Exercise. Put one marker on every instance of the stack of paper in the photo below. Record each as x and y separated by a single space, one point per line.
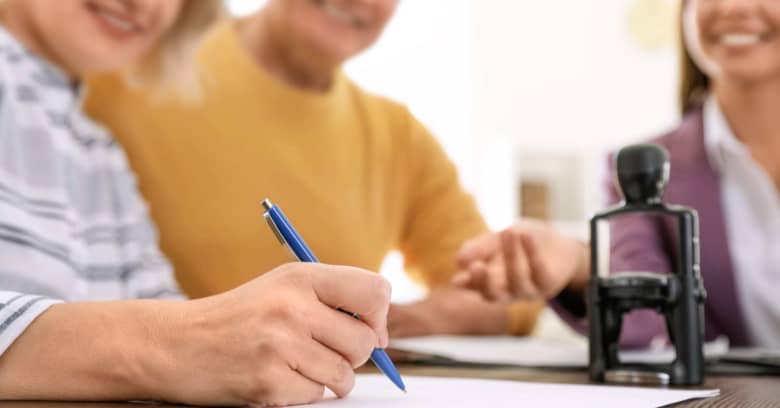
503 350
528 351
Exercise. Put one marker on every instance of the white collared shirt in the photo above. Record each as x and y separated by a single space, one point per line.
751 207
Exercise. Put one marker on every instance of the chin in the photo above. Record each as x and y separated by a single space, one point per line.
338 50
750 73
103 62
333 46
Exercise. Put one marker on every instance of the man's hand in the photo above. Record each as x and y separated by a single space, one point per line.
277 340
529 260
448 311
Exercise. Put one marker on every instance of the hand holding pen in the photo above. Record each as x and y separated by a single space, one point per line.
288 237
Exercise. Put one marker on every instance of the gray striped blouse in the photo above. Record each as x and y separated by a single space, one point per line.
72 224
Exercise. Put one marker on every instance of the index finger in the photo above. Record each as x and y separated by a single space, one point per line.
355 290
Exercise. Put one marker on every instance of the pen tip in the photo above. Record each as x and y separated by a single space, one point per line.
267 204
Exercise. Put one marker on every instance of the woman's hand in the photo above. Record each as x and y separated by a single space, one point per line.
529 260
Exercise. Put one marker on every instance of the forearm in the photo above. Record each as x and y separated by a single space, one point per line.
89 351
488 318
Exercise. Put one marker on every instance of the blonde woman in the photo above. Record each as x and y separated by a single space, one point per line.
79 252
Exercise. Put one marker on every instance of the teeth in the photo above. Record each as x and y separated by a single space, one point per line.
117 22
340 14
740 39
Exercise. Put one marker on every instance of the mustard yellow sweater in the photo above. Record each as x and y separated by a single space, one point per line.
356 173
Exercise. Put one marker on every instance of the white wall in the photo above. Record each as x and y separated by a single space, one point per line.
566 74
565 77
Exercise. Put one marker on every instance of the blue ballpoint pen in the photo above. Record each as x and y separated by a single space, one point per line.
290 239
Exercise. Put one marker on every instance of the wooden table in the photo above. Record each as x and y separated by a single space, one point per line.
744 391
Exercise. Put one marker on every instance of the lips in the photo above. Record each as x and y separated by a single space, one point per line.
116 21
341 15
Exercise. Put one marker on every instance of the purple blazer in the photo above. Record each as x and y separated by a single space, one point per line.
646 243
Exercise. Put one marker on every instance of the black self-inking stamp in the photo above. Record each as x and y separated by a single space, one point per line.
642 175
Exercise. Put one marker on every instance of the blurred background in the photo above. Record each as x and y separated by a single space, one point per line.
527 96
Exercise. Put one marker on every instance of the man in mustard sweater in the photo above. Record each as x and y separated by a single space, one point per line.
357 173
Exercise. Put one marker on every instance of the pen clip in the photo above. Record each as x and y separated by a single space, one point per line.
274 228
272 224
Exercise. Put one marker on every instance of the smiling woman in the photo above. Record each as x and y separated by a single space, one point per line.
152 47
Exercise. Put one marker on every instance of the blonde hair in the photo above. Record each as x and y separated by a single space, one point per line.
169 68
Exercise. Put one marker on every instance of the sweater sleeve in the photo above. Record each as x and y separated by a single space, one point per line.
439 215
523 316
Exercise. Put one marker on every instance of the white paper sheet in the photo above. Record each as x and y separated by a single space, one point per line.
526 351
373 390
529 351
